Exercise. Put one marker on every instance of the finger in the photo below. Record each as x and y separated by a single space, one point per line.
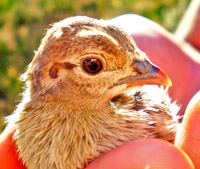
143 154
9 157
189 27
188 137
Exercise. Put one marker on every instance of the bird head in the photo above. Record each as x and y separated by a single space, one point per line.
86 62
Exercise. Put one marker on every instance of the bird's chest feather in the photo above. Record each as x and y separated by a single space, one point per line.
48 139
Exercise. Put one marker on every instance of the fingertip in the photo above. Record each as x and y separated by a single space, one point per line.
188 136
144 153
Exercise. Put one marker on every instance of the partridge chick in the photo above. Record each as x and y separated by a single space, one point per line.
83 96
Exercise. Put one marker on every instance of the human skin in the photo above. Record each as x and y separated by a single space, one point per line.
184 70
189 27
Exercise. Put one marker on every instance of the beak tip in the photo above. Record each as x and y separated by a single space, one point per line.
169 82
164 78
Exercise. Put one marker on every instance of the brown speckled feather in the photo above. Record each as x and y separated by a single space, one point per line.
69 117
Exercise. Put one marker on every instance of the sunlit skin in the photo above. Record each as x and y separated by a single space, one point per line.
144 154
188 137
184 72
9 156
189 27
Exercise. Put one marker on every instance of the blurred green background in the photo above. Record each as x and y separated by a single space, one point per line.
23 24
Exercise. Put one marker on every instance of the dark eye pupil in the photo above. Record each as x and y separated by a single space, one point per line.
92 66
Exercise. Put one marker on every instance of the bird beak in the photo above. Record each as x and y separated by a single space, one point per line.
147 73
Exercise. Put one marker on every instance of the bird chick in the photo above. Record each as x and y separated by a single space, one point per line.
77 104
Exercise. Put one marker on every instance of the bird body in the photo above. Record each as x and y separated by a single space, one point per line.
77 105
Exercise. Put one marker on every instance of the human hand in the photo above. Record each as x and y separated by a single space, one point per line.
189 27
164 51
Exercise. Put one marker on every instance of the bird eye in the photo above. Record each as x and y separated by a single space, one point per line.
92 66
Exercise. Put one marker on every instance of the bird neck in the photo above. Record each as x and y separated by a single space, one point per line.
49 135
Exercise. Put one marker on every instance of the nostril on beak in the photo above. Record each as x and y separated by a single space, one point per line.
141 66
